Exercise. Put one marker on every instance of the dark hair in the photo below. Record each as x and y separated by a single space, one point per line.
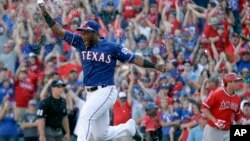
208 73
142 38
195 66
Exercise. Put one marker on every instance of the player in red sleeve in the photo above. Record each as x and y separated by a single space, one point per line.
220 109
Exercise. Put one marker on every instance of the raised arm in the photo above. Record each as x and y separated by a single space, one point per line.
131 85
44 91
178 11
237 49
215 52
186 18
55 27
196 13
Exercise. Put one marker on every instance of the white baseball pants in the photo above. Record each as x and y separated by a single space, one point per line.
214 134
94 118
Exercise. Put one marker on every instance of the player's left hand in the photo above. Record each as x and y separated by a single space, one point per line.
41 5
40 2
161 68
220 123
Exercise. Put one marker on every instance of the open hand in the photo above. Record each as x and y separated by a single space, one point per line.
39 2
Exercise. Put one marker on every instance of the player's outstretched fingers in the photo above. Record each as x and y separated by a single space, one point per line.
40 3
161 68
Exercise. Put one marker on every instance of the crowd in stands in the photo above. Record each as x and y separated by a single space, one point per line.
198 40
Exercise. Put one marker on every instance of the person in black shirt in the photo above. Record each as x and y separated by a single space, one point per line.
52 115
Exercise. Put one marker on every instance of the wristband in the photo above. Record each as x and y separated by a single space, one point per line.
49 20
148 64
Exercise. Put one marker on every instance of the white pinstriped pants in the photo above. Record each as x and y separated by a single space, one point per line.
94 118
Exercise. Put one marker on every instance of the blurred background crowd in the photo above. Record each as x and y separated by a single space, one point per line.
198 40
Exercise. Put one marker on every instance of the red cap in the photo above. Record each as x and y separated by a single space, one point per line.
231 77
243 50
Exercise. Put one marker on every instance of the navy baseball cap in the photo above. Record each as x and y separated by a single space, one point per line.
163 76
57 83
90 26
151 105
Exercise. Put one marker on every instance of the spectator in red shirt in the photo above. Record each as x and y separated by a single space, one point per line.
34 67
130 8
24 91
180 61
171 20
122 108
151 123
122 111
163 93
153 15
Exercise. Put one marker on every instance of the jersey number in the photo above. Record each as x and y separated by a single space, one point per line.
39 112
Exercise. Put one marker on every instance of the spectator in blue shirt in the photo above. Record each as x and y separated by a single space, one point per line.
8 126
170 118
6 89
196 133
186 44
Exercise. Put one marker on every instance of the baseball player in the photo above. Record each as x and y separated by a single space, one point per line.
220 108
98 58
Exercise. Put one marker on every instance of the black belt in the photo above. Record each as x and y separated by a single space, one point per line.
94 88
